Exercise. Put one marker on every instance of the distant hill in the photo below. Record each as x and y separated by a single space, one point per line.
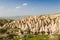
13 17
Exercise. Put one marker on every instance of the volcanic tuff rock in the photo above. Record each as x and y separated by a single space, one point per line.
47 24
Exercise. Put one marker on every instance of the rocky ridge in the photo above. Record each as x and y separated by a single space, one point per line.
47 24
43 24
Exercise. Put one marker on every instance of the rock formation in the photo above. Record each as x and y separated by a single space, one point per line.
47 24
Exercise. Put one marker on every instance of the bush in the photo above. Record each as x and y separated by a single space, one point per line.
38 37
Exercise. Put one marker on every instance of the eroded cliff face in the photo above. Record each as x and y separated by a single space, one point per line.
43 24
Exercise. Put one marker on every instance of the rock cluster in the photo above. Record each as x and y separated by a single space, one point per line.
47 24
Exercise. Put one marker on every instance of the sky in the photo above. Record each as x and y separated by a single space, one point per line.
28 7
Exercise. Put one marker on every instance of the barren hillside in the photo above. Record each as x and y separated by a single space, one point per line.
49 24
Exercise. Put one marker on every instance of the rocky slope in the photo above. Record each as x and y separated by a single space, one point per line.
38 23
43 24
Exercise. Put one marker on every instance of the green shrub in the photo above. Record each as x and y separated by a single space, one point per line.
38 37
